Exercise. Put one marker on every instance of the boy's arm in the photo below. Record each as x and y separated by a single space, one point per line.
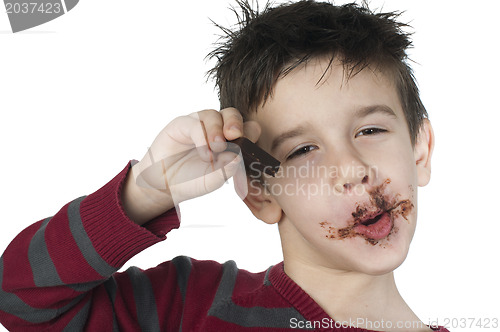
57 273
52 274
142 204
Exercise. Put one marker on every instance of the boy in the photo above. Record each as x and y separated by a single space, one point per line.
326 90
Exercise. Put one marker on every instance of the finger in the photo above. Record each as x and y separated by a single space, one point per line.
179 136
199 135
240 182
212 123
233 123
228 162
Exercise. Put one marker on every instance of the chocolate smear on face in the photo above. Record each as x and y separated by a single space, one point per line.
378 202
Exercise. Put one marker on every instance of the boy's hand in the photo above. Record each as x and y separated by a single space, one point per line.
180 165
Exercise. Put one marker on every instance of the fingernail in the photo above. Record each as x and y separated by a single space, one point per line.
235 129
218 139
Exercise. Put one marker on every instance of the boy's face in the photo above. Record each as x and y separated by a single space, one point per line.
347 162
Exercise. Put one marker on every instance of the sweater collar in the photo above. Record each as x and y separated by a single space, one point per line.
304 303
295 295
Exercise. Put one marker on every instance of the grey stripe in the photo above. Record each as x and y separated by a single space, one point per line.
183 267
12 304
226 285
110 286
78 322
225 309
83 242
267 282
44 270
145 302
84 287
257 316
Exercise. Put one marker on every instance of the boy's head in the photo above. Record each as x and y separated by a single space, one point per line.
338 106
267 46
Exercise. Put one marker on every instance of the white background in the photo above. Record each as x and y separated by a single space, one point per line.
83 94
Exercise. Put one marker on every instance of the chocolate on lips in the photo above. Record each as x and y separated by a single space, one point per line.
373 221
375 228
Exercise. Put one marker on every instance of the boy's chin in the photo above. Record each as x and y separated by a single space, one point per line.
381 262
381 257
380 268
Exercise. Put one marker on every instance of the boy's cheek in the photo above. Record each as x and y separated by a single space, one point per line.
307 201
316 190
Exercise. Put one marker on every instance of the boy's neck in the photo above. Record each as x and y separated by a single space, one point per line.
349 295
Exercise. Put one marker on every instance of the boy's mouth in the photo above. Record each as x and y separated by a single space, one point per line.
375 228
373 221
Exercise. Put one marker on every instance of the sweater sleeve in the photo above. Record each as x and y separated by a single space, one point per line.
57 274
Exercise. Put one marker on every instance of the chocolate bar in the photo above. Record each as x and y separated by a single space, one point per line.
256 157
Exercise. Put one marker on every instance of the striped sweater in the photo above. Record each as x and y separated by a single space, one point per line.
60 274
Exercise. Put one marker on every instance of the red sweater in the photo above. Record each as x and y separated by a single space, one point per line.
59 274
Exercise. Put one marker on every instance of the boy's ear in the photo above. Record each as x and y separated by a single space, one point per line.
259 201
423 152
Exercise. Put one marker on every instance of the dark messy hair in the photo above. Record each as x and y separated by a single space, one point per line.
265 46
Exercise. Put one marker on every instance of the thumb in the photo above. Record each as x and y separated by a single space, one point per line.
252 130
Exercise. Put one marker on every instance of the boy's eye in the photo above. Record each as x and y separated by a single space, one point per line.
301 151
370 131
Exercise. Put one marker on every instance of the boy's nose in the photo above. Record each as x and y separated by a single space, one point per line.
354 172
349 186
